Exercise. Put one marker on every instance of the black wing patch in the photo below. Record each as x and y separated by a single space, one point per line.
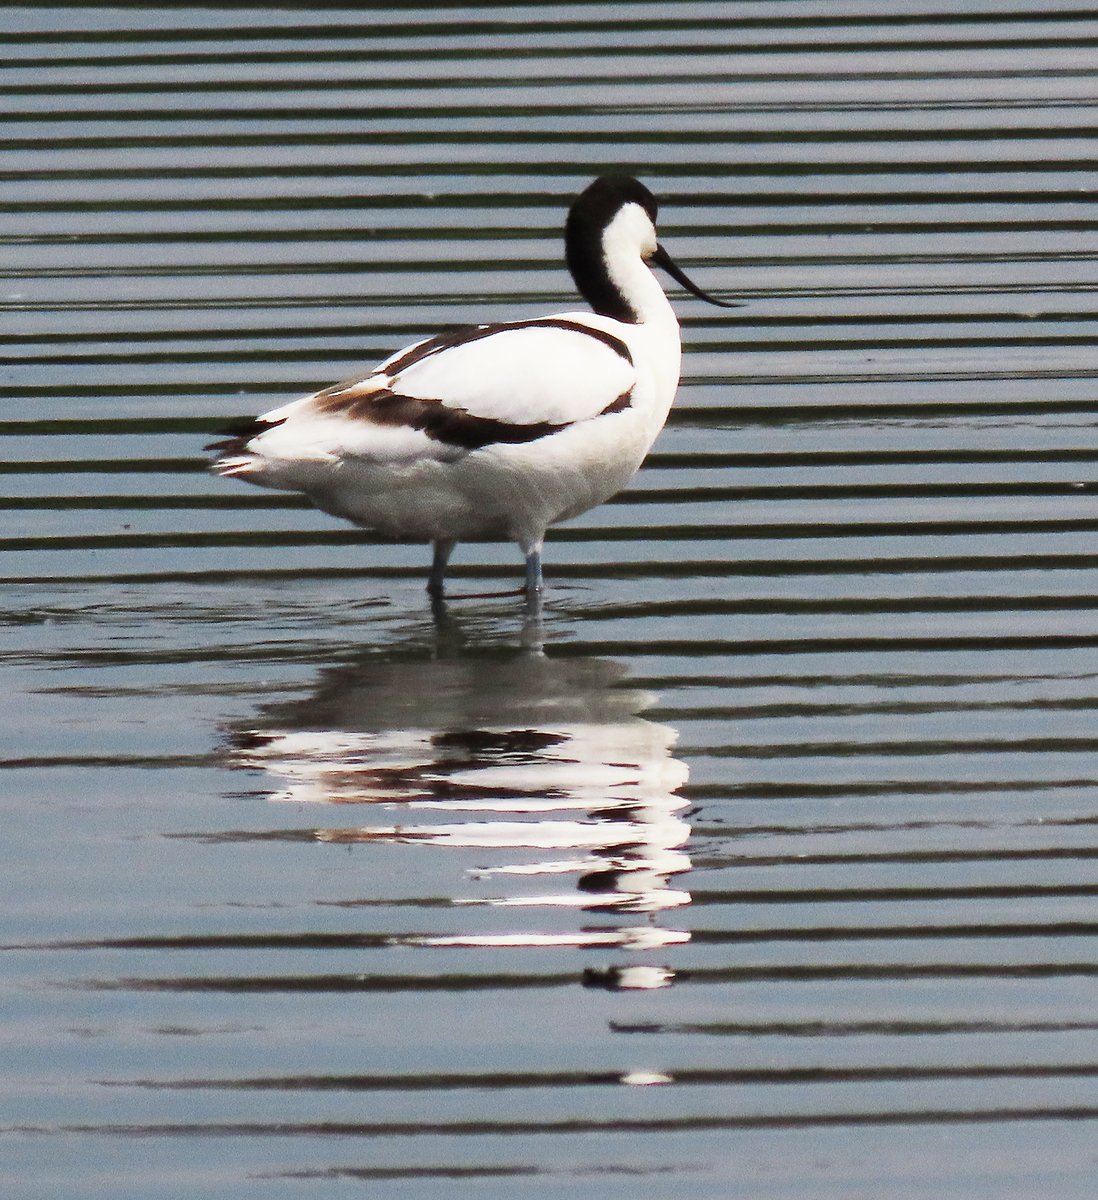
239 433
450 425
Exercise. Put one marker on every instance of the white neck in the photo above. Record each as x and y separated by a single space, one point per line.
628 271
658 328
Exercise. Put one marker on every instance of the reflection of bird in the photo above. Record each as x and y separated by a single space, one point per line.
503 752
500 430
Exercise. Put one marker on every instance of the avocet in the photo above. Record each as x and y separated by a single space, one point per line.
501 430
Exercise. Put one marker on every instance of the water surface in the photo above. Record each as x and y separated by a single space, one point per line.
764 866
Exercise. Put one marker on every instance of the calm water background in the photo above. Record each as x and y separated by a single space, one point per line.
766 868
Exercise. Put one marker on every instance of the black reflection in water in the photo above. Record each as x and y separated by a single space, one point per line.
545 764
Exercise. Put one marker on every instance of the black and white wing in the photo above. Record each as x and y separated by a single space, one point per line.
451 394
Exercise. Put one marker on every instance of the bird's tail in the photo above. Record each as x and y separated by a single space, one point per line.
234 458
238 464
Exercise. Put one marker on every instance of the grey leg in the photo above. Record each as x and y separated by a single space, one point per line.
443 548
533 570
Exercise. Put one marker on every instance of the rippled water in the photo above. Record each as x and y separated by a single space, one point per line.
762 867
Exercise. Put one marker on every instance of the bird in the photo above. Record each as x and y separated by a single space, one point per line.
495 431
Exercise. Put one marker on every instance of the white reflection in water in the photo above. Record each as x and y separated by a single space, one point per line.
546 764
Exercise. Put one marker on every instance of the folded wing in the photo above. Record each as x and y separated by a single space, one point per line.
451 394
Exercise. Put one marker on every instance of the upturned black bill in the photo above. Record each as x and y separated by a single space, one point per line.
662 259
